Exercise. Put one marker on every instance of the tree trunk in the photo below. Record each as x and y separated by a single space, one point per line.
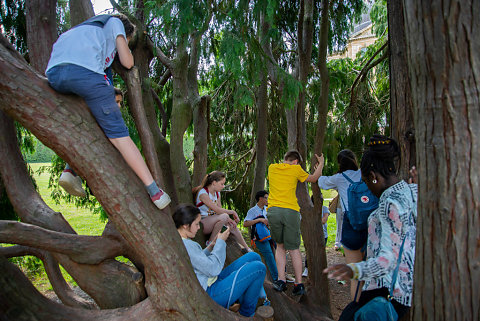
442 51
80 10
200 151
64 124
401 123
261 139
41 31
316 244
31 209
181 119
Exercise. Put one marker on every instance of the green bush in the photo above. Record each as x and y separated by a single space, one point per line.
42 154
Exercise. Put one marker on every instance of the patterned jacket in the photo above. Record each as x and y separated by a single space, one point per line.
394 220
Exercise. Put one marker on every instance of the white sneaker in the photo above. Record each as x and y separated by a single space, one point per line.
161 199
289 278
305 272
72 184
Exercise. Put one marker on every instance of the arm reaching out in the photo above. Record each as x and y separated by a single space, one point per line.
312 178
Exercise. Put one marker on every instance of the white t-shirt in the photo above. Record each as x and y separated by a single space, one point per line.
340 183
88 46
255 212
204 209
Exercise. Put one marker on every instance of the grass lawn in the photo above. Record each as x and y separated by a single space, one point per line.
83 221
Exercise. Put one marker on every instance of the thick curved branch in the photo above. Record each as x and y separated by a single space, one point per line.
59 285
21 301
64 123
32 209
80 248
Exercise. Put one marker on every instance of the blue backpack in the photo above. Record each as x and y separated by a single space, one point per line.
361 203
260 231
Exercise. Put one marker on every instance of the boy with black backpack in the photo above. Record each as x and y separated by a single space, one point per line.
77 65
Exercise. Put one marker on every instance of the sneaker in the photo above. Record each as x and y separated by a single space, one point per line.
72 184
305 272
234 307
289 278
161 199
298 289
280 285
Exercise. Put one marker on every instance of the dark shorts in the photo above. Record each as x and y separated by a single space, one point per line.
285 227
352 239
97 92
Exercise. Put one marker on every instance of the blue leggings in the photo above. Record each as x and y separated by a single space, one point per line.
246 287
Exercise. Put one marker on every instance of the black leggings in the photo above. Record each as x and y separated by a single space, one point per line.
349 312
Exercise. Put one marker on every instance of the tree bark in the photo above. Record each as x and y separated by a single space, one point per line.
59 285
142 53
41 31
64 124
314 241
200 150
80 10
401 123
442 51
261 136
80 248
32 209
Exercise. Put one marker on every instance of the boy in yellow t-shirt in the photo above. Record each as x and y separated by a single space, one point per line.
284 217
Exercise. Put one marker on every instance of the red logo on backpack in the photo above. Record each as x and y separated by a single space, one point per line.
364 199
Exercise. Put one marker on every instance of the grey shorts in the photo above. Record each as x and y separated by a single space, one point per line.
285 227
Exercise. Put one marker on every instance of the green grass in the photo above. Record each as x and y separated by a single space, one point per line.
83 221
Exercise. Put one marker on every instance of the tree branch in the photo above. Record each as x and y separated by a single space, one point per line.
366 68
59 285
80 248
161 109
21 301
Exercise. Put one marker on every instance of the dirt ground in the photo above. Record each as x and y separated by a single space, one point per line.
339 293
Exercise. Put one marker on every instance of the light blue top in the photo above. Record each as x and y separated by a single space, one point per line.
255 212
340 183
206 264
88 46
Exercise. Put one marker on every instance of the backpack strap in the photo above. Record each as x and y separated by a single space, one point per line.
348 178
97 21
201 203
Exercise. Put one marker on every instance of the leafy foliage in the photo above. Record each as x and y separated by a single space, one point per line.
13 23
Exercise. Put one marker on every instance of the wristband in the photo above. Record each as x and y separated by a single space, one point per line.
354 268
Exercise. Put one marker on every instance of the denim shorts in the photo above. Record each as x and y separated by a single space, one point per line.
285 227
352 239
97 92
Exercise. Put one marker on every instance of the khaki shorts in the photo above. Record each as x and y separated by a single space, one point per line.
285 226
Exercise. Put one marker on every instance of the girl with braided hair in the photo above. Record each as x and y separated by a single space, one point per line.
390 227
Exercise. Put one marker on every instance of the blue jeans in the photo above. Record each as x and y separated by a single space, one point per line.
97 92
247 286
266 251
